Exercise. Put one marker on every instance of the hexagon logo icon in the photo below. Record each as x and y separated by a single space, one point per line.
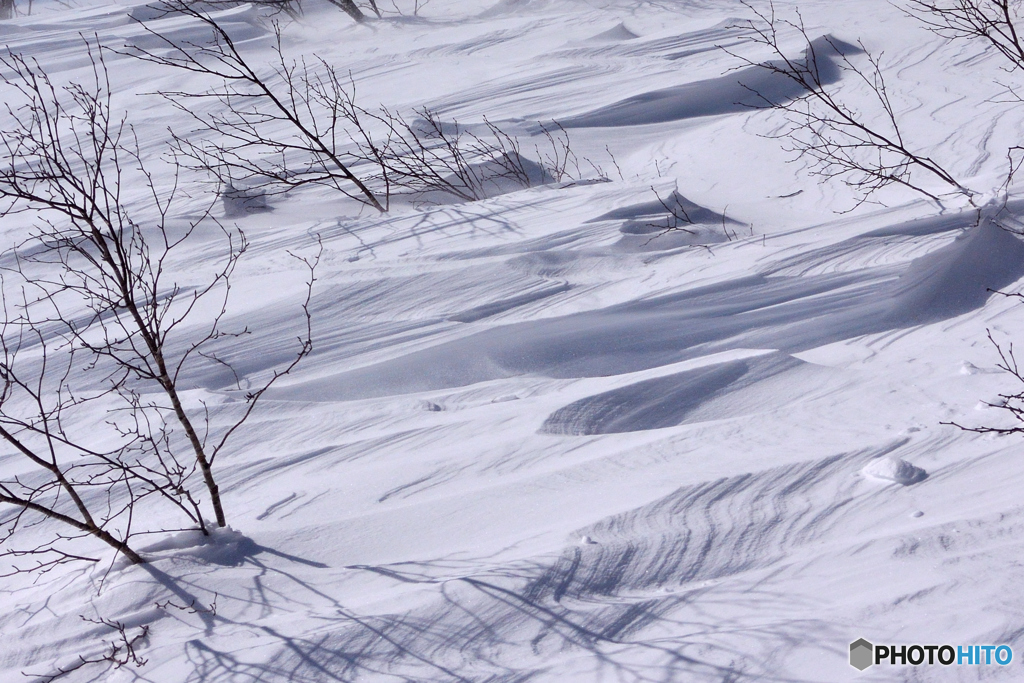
862 654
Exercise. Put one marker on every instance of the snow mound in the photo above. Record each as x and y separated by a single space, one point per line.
961 276
667 223
969 368
240 27
505 173
224 546
240 200
497 180
616 33
674 202
894 469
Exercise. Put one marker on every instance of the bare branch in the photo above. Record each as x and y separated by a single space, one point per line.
867 150
119 652
94 320
232 141
992 21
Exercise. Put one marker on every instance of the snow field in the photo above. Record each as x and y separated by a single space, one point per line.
741 425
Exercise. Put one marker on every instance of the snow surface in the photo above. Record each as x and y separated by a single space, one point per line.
541 440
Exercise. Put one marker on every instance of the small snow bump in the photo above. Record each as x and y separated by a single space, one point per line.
894 470
969 368
994 402
917 513
503 399
587 540
430 406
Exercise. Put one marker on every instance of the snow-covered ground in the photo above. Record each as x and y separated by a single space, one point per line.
538 441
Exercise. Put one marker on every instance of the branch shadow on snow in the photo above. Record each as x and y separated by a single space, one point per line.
479 628
644 598
483 623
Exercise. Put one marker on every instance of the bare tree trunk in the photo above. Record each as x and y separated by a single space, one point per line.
6 9
350 8
67 157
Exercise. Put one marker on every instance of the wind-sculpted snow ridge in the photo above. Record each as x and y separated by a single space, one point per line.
675 204
620 41
713 392
704 532
53 39
748 88
609 54
789 313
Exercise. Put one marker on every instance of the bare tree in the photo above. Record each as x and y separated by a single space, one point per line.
97 289
866 148
250 113
350 8
992 21
841 141
88 489
6 9
427 155
298 124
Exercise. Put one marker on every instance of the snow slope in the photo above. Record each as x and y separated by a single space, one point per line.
539 439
